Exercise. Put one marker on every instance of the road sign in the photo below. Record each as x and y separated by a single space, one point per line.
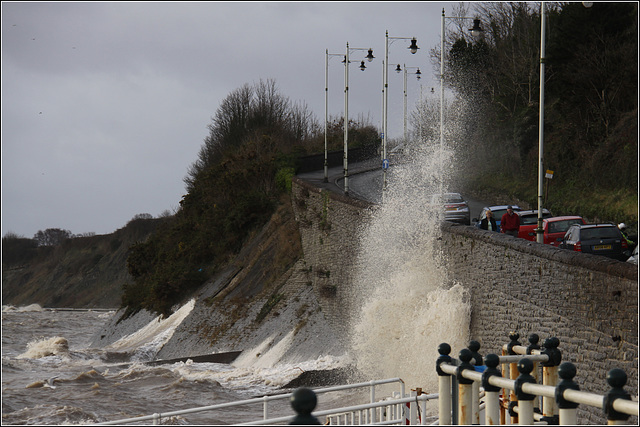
549 174
385 164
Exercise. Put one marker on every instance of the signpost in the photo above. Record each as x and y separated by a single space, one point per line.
549 176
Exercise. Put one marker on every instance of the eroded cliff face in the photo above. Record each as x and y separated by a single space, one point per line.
263 304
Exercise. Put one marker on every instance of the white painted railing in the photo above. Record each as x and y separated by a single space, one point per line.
408 411
157 417
517 392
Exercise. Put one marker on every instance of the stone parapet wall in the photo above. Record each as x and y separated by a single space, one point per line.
329 224
589 302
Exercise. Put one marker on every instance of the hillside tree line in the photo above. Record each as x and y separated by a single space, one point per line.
591 96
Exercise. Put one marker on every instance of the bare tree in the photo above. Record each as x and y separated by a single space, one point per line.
51 236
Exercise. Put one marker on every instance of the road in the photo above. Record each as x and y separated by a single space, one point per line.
365 182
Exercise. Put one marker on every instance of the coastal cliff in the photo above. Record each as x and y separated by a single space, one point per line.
262 304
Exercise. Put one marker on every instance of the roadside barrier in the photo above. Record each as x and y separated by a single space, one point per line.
370 414
517 393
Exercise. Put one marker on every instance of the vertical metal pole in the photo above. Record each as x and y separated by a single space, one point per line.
455 415
465 404
382 118
413 410
373 399
346 119
475 408
404 116
326 114
539 231
513 374
568 417
492 408
385 110
505 398
525 412
444 399
442 84
265 408
550 378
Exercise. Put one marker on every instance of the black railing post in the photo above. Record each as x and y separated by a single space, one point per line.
617 379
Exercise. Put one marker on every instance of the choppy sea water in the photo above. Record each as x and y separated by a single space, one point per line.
51 376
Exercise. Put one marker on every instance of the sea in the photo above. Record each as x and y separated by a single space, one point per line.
51 376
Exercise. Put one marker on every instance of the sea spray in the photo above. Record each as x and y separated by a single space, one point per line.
55 346
405 303
145 343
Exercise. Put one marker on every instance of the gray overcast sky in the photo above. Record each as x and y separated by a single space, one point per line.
105 105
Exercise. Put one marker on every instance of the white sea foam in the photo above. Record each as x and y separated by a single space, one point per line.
31 307
411 305
147 341
56 346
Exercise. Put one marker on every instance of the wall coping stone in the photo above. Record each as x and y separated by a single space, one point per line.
363 204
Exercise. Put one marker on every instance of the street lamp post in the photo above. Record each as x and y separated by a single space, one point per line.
539 230
413 48
326 111
369 58
418 76
475 31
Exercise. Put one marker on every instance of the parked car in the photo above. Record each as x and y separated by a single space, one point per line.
456 208
529 223
556 227
597 239
497 212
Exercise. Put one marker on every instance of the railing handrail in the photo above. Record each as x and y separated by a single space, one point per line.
262 400
347 409
576 396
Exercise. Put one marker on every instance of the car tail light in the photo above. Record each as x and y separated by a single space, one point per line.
577 247
624 244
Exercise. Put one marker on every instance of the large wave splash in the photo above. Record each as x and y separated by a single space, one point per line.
405 303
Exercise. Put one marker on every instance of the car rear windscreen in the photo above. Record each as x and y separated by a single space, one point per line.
599 233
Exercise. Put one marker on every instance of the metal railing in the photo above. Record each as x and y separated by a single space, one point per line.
157 417
407 410
518 392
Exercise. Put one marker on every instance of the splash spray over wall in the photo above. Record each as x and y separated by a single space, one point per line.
405 302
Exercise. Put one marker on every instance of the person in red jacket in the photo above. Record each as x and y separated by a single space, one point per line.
510 222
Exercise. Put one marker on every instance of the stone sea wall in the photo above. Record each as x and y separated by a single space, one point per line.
589 302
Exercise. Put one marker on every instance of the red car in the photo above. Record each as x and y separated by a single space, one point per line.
556 227
529 223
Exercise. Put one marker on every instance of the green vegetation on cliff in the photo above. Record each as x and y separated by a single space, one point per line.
235 185
590 104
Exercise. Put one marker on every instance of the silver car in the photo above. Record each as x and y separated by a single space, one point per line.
456 208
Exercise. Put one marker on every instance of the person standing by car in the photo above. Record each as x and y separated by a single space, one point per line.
489 223
510 223
623 229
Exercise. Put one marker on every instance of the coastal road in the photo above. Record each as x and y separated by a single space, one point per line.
365 182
